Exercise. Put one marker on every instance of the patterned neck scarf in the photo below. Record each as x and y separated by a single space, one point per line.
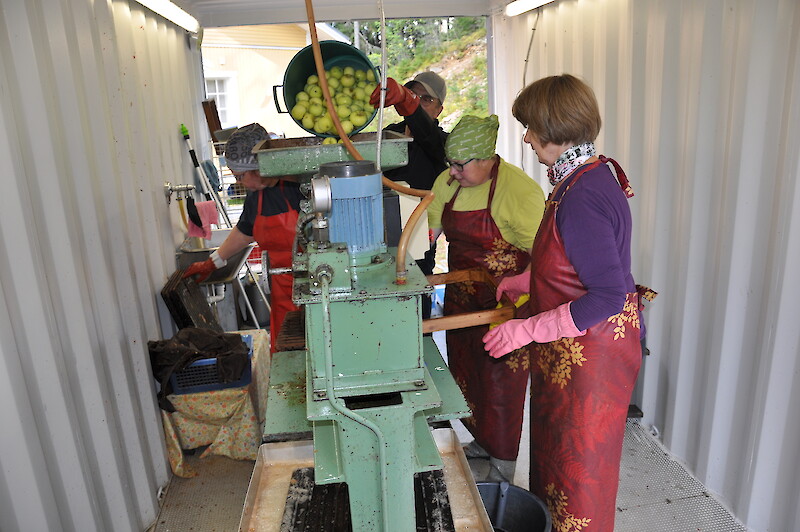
569 160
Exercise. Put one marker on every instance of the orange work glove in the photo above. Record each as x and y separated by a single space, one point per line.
403 98
202 269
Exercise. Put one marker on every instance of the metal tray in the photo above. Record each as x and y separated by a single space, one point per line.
303 155
269 484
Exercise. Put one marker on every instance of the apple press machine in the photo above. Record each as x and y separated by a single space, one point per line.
355 371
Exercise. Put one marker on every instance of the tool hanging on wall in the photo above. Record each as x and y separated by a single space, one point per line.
208 191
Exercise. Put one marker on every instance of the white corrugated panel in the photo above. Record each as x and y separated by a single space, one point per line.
701 106
92 94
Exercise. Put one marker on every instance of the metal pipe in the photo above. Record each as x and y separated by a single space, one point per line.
405 236
324 277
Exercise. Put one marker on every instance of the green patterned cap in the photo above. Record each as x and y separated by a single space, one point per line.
473 138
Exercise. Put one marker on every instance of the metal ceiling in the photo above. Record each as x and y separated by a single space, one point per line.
217 13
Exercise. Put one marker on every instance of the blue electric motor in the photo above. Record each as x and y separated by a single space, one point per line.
356 209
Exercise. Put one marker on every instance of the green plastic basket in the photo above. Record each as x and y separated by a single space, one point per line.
302 65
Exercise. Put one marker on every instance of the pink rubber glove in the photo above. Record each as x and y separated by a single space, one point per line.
514 286
544 327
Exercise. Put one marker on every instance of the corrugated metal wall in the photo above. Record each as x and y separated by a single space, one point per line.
92 94
701 106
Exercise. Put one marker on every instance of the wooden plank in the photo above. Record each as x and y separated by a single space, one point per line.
505 312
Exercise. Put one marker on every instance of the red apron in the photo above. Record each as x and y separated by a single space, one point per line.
275 234
580 390
494 388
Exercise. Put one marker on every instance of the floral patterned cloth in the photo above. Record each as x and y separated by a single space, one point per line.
227 421
568 161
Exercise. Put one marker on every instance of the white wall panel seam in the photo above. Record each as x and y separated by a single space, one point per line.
86 353
129 330
141 321
49 371
772 415
22 479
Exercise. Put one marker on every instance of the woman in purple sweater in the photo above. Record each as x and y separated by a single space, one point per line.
585 324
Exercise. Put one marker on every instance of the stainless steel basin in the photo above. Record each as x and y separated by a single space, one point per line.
195 249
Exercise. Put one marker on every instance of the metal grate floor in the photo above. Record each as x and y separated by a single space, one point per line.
657 493
210 502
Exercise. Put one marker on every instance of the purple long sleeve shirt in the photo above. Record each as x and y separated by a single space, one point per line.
594 220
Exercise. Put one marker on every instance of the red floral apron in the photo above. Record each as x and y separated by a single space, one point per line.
580 390
275 234
494 388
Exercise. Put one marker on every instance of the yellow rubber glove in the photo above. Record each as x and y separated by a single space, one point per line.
520 301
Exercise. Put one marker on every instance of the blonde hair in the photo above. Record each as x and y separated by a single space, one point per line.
559 109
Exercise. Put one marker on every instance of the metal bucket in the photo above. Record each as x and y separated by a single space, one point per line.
302 65
513 509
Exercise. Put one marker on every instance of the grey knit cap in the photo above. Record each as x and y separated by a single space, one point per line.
239 154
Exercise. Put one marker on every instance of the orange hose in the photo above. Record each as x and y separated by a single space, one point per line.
326 93
405 236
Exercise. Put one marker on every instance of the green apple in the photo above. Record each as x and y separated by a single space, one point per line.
329 140
315 109
347 126
360 75
343 99
349 71
314 91
358 118
348 81
308 121
370 75
301 96
343 111
336 72
333 83
323 124
313 79
315 99
359 93
356 106
299 111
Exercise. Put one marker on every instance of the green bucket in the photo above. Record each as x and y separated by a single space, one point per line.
302 65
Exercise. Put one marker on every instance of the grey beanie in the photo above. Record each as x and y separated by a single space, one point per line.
239 154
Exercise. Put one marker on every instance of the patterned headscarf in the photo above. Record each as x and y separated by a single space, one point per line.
473 138
239 148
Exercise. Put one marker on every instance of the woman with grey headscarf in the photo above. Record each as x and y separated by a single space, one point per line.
269 217
489 210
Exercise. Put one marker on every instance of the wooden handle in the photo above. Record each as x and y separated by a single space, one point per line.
506 311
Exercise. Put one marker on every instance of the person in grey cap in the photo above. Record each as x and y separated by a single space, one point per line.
420 101
269 217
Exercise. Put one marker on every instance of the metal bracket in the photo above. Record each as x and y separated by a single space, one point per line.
169 188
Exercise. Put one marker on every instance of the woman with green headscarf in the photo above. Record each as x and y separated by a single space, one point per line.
489 211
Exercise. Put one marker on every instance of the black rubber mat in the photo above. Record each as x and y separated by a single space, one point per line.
187 305
326 508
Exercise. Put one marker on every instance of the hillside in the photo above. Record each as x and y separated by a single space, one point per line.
466 77
462 63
